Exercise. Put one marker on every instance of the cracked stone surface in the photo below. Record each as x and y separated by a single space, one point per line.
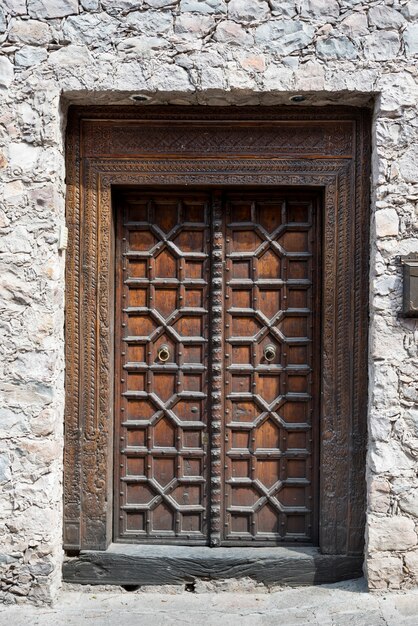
344 604
209 52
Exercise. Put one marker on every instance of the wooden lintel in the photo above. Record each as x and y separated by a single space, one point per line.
177 565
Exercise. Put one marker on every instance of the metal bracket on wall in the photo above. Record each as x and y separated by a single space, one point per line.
410 284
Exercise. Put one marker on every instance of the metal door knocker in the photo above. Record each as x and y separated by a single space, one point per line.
269 352
163 353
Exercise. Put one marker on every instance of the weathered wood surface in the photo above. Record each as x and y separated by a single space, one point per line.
343 177
174 565
161 413
258 284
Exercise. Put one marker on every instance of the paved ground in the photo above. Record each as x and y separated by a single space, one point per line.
343 604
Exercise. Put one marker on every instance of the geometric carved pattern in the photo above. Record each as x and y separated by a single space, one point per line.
162 292
269 396
163 254
334 136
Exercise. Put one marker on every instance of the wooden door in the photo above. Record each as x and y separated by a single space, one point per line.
270 385
162 254
270 325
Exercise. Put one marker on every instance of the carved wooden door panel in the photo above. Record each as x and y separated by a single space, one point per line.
161 392
269 376
165 302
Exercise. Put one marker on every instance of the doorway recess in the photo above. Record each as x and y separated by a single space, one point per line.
216 343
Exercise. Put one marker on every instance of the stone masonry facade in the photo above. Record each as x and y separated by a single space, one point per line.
210 52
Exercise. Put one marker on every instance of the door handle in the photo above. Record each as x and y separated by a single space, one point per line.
163 353
269 352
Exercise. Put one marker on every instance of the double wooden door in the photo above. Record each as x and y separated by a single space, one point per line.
216 367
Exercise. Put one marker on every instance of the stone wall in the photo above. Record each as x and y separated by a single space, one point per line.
53 52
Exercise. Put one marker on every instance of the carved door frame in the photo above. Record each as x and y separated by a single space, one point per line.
327 148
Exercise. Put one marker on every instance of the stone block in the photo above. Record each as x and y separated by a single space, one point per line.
292 62
142 46
6 72
410 10
150 22
71 56
384 285
285 8
409 393
229 32
207 7
409 502
212 78
12 423
5 471
397 91
238 79
385 380
154 4
41 569
90 5
380 428
83 29
116 7
387 223
382 46
402 484
173 77
277 78
248 10
322 10
130 75
379 496
310 76
31 32
391 533
3 23
336 48
408 164
411 417
158 4
354 25
255 63
15 7
47 9
193 26
411 563
385 17
13 192
384 571
23 155
411 40
284 36
388 457
27 397
28 56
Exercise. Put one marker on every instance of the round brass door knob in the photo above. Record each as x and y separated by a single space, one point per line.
163 353
269 352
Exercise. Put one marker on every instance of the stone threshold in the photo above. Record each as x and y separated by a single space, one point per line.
136 565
